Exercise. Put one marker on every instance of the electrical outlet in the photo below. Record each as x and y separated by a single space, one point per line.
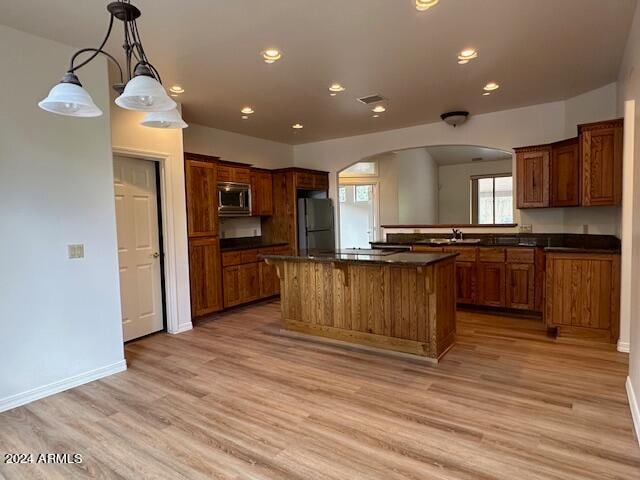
526 228
585 229
76 251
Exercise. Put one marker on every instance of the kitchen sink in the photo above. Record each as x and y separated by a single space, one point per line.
450 241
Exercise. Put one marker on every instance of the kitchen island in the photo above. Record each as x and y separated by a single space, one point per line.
404 302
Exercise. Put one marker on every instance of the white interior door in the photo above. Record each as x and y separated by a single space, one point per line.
138 246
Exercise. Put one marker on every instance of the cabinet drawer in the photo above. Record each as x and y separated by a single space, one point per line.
249 256
266 251
282 250
231 258
520 255
491 254
465 254
426 249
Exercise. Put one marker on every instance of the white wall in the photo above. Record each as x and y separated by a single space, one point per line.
237 148
129 136
60 318
454 203
502 130
417 187
599 104
629 89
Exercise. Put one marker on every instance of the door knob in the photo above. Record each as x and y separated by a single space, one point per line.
155 255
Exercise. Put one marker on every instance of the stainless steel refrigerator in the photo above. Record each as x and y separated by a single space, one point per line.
315 224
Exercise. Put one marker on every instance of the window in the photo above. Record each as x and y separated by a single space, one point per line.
492 199
342 194
362 193
360 169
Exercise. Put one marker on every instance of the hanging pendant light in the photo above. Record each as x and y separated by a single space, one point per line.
69 98
169 119
143 90
144 93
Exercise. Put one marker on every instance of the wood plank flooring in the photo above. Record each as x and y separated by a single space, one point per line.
234 399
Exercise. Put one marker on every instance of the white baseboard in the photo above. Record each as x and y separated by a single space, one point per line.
183 327
635 408
65 384
623 346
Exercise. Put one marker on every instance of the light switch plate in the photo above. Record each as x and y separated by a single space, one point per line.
526 228
76 251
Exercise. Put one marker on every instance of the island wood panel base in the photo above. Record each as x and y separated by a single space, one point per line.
400 308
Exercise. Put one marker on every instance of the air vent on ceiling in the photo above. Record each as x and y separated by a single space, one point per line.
368 100
477 159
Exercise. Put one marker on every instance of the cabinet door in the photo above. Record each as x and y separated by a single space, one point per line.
466 282
602 164
533 178
249 282
491 287
231 286
520 284
261 194
321 181
269 281
565 174
202 202
304 180
204 265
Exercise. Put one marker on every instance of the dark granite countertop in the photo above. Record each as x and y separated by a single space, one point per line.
246 243
549 241
365 256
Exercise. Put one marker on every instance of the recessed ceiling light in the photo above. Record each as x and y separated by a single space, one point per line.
176 89
375 115
486 94
467 54
379 109
491 86
247 110
423 5
297 126
336 88
245 117
271 55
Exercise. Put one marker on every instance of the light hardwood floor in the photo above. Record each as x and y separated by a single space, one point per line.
233 399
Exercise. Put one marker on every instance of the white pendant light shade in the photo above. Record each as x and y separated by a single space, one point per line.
70 99
145 94
170 119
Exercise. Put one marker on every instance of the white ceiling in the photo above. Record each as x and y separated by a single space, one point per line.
455 154
538 50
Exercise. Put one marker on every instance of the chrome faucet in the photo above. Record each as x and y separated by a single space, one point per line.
457 234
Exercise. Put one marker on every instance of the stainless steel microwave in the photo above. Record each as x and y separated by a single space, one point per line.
234 199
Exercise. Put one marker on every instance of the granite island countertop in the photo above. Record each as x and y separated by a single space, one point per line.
373 257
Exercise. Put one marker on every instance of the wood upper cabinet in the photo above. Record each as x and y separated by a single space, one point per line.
201 193
583 295
532 176
565 174
601 152
261 193
204 273
311 180
233 173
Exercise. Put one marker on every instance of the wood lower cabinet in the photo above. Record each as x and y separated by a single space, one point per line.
520 286
205 281
240 284
601 148
532 176
466 280
491 284
583 295
565 174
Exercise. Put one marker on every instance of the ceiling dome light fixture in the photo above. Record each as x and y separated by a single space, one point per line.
466 55
336 88
271 55
491 86
176 89
379 109
169 119
423 5
143 90
247 111
455 118
245 117
297 126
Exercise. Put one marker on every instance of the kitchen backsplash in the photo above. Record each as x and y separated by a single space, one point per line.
237 227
